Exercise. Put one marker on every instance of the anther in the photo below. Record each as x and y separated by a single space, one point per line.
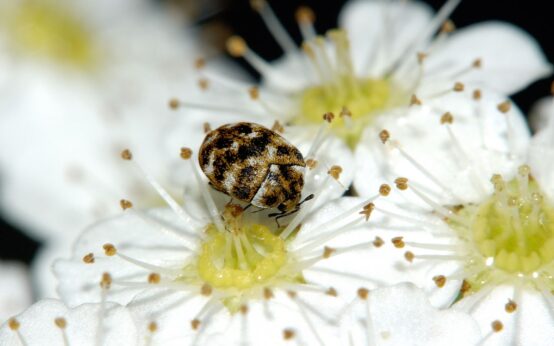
401 183
186 153
384 135
173 103
14 324
331 292
398 242
415 101
458 87
125 204
195 324
288 334
311 163
236 46
368 209
384 190
477 94
109 249
440 280
106 281
328 251
203 83
477 63
335 172
152 327
199 63
207 128
497 326
277 127
510 306
268 293
466 286
154 278
305 15
505 107
447 118
345 112
328 117
552 88
254 93
60 322
292 294
257 5
88 258
206 290
448 27
378 242
126 155
363 293
409 256
421 57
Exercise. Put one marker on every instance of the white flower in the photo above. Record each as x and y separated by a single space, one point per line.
15 289
542 113
384 57
474 214
232 274
81 80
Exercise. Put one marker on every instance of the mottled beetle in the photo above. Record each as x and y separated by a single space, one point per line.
255 165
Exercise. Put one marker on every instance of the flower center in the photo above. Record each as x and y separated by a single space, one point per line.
340 91
514 228
46 29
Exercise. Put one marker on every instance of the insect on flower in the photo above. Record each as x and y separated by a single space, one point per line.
255 165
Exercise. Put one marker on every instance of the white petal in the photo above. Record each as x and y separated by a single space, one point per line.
541 114
541 159
38 327
15 289
44 280
511 58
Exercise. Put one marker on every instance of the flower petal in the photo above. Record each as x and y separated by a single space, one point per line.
15 289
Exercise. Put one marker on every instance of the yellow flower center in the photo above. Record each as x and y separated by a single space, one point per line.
46 29
357 100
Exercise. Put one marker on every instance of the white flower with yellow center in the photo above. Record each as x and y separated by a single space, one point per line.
385 56
15 289
473 215
81 80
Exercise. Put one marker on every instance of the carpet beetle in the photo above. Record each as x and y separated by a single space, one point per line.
254 164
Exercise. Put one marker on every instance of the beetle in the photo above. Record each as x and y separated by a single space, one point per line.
255 165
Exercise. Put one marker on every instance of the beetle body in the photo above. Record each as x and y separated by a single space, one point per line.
253 164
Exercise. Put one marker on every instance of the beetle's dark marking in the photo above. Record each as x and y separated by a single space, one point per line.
241 192
246 173
243 129
245 151
283 150
261 141
223 142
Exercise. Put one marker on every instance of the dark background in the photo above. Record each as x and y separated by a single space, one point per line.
237 17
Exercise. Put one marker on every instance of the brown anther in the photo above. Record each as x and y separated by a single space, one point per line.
401 183
497 326
368 209
203 83
186 153
440 280
552 88
154 278
152 327
88 258
277 127
268 294
328 251
414 101
195 324
510 306
505 107
126 154
458 87
477 94
236 46
311 163
447 118
384 190
409 256
106 281
398 242
477 63
335 172
288 334
125 204
345 112
206 290
328 117
173 103
305 15
466 286
363 293
331 292
378 242
109 249
199 63
384 135
308 50
207 128
448 26
254 93
243 309
421 57
292 294
257 5
60 322
13 324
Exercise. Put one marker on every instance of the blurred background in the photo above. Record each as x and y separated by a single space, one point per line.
217 19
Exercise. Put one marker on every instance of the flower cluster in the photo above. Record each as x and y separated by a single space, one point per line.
426 214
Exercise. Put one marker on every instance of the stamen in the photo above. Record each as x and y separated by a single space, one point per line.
14 326
274 25
111 250
61 323
306 18
176 104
